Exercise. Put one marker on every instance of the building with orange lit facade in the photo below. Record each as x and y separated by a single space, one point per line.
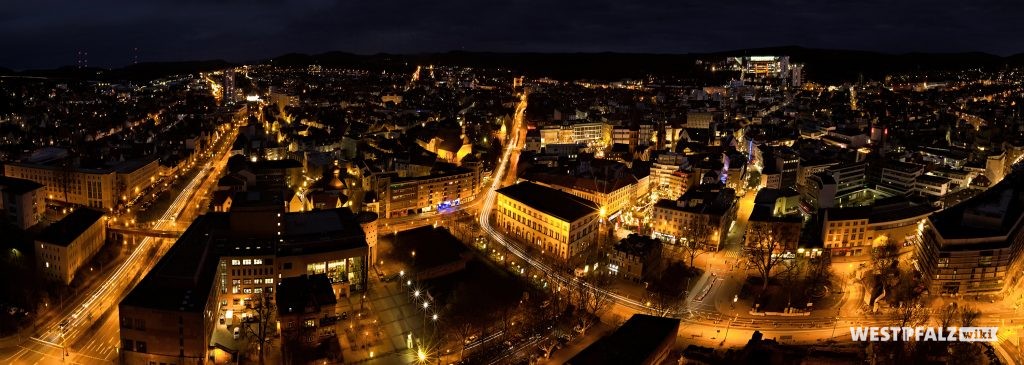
854 231
559 224
100 188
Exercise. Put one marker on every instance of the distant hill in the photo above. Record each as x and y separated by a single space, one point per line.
152 70
142 71
825 65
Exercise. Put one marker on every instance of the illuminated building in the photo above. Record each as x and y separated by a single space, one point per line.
854 231
223 261
612 194
708 204
635 257
23 202
64 246
560 224
777 211
412 195
102 188
974 247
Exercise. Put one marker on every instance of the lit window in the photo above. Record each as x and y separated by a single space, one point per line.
257 261
247 262
235 262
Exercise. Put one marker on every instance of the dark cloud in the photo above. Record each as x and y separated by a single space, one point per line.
48 33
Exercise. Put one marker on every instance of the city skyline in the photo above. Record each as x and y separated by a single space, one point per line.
290 202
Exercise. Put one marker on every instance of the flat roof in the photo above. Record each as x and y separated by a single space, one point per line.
182 279
935 180
297 294
18 186
876 214
551 201
66 230
433 246
632 343
992 213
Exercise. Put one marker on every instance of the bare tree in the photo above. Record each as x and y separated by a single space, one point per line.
668 287
969 315
885 260
258 323
696 234
819 272
590 297
765 254
948 315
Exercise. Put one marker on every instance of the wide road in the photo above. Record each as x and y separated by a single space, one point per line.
88 325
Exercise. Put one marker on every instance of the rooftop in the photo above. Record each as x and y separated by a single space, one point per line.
637 245
995 212
433 247
66 230
182 279
878 213
632 343
551 201
702 199
304 294
933 180
18 186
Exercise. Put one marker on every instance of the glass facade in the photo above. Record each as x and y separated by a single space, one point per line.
348 270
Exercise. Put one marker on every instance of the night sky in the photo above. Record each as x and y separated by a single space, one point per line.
47 33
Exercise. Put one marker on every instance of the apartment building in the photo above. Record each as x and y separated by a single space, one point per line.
68 244
560 224
411 195
635 257
709 204
23 202
934 186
